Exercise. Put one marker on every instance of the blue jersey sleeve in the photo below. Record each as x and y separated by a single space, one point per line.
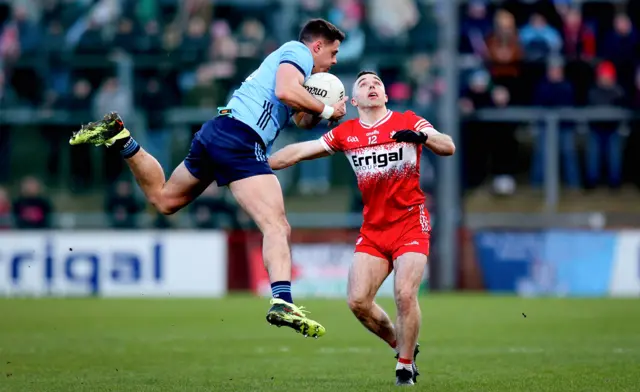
298 55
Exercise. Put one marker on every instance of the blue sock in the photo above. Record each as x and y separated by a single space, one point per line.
282 290
128 147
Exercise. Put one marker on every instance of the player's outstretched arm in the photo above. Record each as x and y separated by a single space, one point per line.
296 152
291 92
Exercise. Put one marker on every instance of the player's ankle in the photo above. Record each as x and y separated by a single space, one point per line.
127 146
282 290
404 363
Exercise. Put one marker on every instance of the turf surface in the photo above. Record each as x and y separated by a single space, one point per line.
470 343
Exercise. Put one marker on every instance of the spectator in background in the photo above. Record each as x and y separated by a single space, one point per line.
504 52
7 96
5 209
214 78
212 211
122 206
7 99
149 43
91 41
502 147
579 39
475 26
125 37
113 97
555 92
604 137
31 209
155 101
425 86
633 143
315 175
195 43
28 31
621 48
251 38
539 39
54 42
476 96
9 43
347 15
579 50
391 21
79 101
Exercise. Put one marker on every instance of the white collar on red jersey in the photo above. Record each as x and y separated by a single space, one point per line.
377 123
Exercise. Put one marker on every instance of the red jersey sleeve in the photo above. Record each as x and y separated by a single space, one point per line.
332 140
416 122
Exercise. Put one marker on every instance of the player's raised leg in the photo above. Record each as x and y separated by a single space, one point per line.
366 275
409 269
268 213
167 196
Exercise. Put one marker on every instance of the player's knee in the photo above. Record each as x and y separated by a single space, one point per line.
406 300
359 305
278 227
166 206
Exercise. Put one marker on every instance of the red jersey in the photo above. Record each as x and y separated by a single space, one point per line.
388 172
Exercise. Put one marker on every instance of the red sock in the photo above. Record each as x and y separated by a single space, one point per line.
405 361
393 344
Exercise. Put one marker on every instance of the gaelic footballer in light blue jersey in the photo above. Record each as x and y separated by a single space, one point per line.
232 148
255 102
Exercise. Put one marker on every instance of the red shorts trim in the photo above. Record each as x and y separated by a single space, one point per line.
412 234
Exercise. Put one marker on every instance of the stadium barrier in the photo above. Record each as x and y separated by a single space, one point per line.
560 262
321 261
114 263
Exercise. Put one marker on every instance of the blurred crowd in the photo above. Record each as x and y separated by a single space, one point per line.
557 53
66 55
32 208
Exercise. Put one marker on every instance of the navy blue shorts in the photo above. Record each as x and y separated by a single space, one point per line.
225 150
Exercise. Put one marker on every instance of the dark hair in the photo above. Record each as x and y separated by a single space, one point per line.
320 28
362 73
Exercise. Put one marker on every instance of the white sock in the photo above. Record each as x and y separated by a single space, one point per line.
404 366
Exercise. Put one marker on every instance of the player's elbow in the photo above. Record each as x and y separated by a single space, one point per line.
448 149
283 93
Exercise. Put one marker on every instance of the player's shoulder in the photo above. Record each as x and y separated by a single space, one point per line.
297 54
347 127
295 46
410 114
342 131
411 119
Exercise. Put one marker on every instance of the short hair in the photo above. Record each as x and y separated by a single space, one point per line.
360 74
320 28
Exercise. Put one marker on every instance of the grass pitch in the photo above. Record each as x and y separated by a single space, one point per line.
469 343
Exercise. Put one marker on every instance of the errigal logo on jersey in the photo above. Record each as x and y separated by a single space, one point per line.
377 159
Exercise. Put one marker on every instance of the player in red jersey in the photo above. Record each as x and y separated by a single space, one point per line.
384 150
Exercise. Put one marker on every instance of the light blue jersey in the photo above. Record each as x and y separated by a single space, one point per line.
255 103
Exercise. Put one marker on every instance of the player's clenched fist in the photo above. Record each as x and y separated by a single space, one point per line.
409 136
